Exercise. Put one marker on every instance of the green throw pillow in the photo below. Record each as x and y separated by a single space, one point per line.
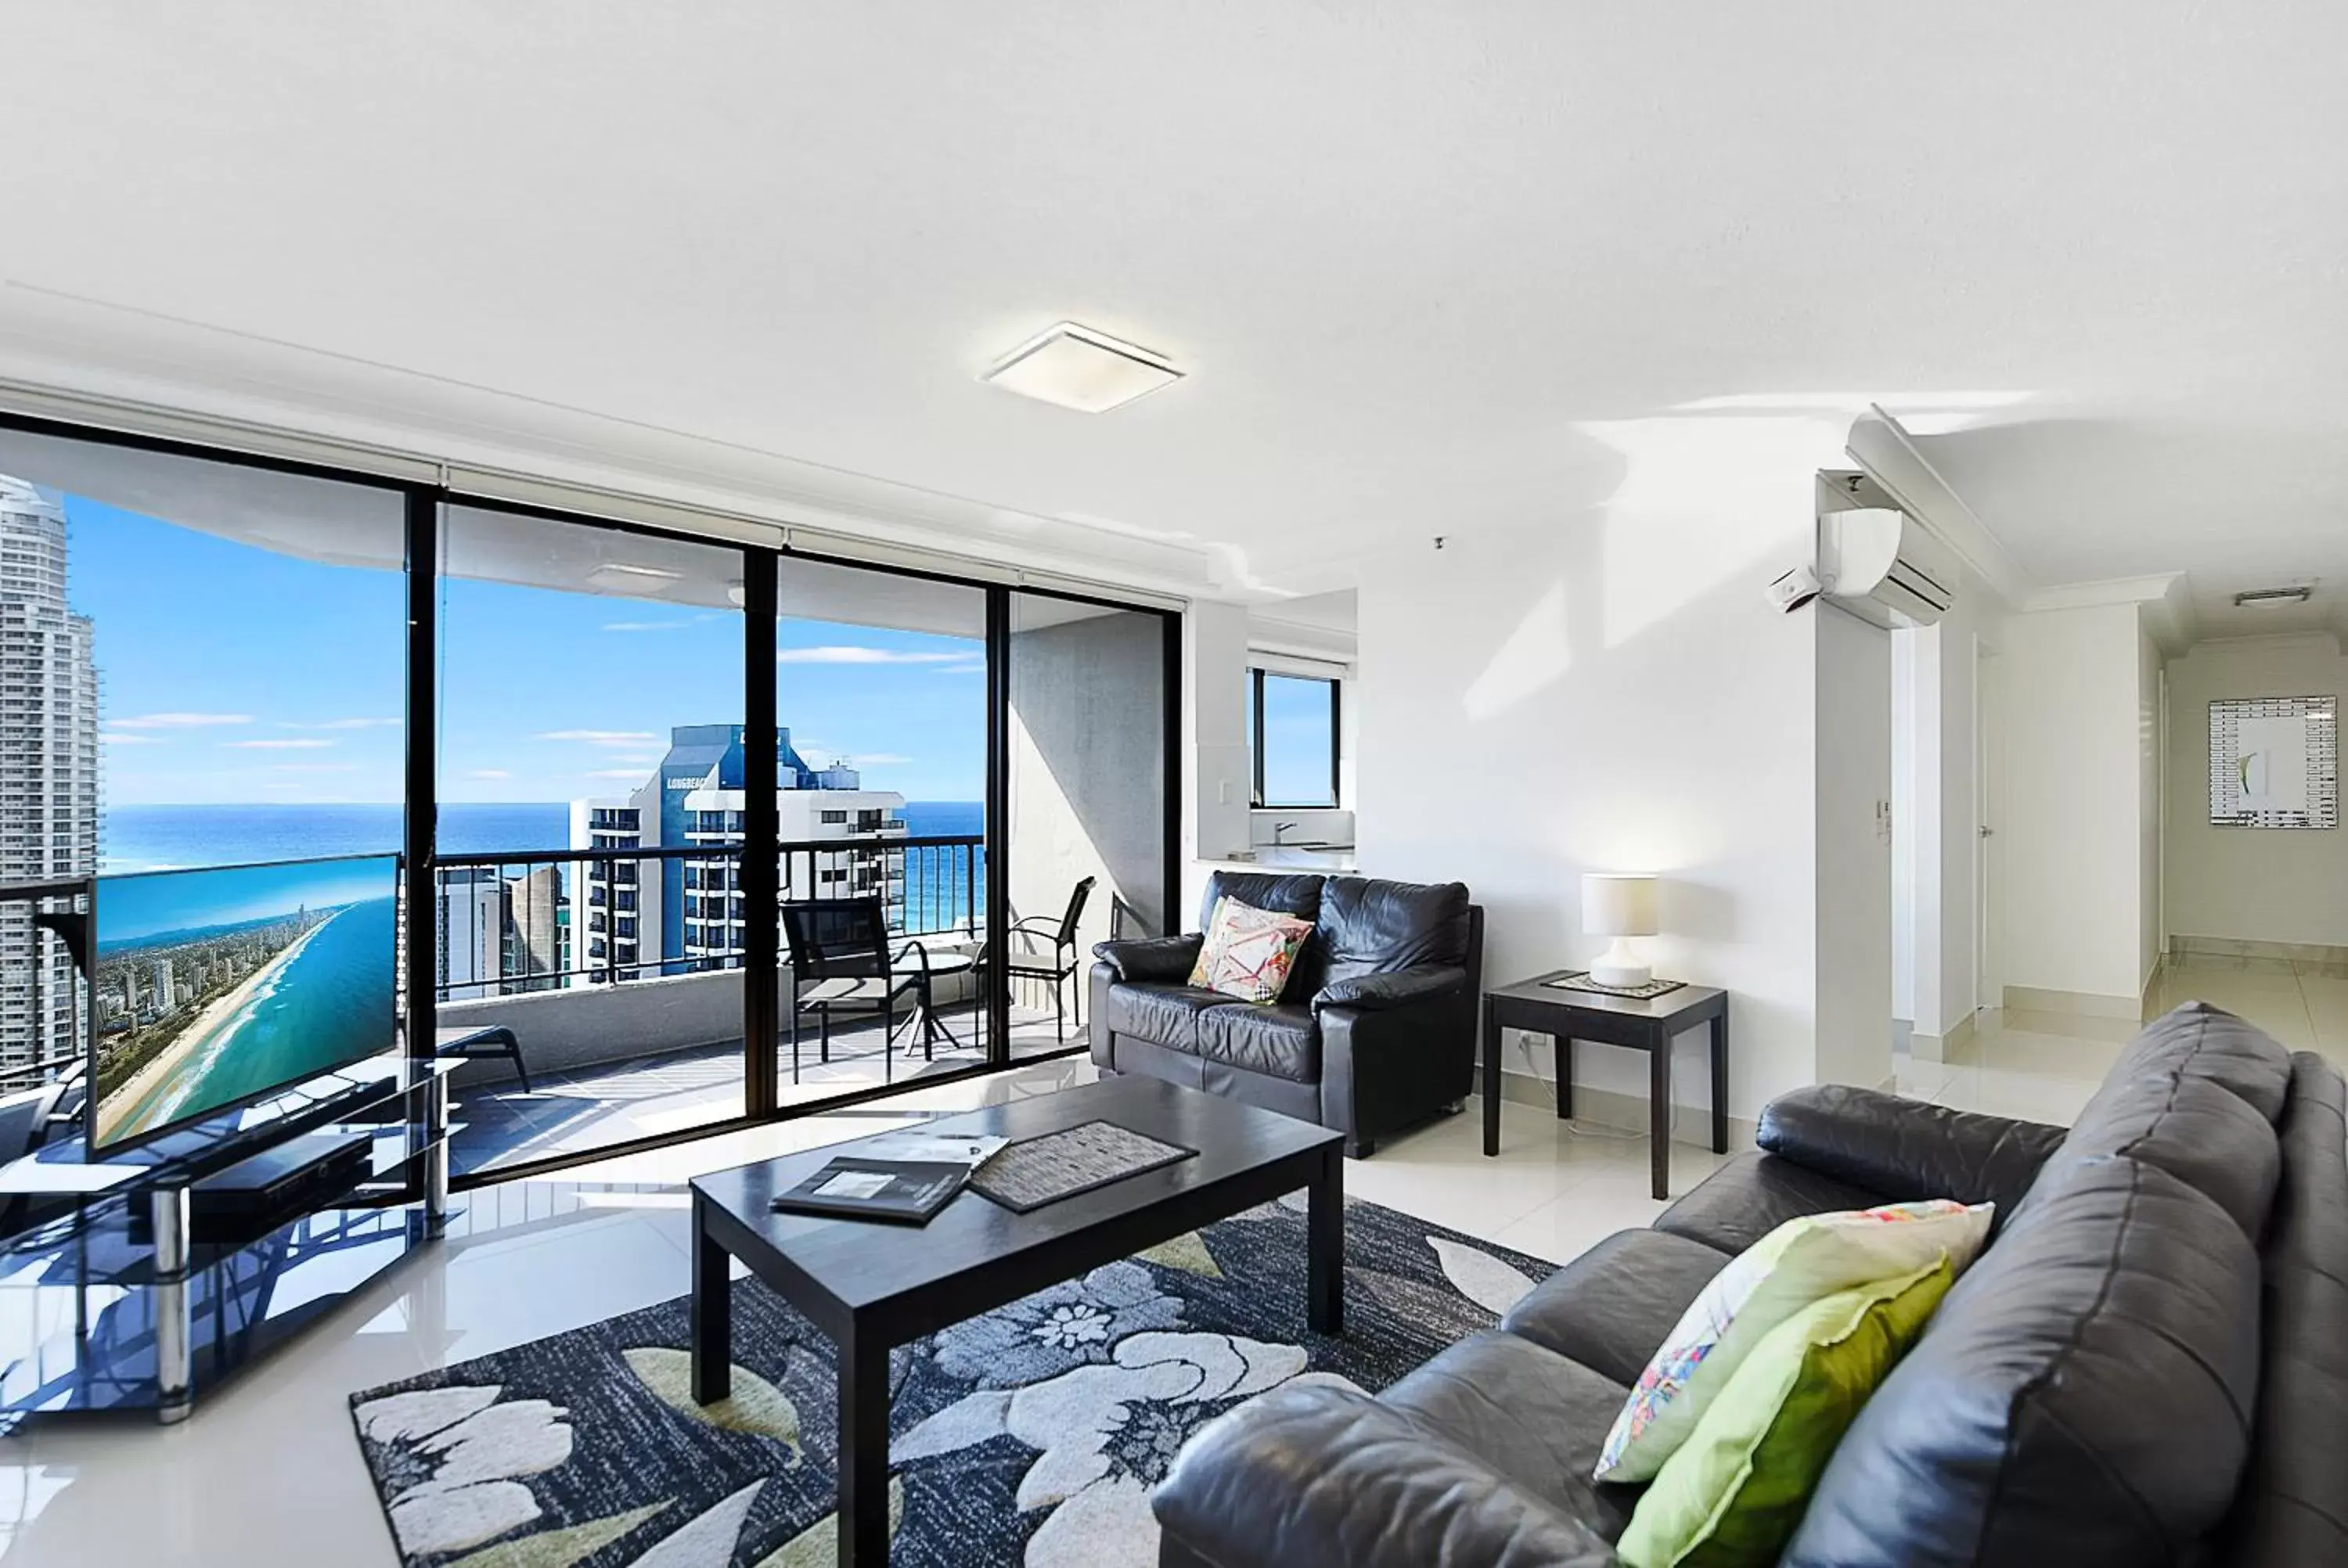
1734 1490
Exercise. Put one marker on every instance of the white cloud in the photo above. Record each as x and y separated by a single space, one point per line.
112 739
275 745
180 721
849 654
489 774
315 767
960 669
344 724
601 737
646 625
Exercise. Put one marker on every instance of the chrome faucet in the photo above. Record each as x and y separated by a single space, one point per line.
1278 828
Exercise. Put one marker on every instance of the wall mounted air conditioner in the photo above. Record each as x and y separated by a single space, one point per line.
1882 567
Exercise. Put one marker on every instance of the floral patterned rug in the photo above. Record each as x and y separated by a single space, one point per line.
1031 1435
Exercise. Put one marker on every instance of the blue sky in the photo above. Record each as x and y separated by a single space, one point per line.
234 674
1296 714
138 907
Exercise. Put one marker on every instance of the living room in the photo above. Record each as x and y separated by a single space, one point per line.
1425 688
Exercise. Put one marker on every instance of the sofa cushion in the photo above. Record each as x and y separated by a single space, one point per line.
1798 1264
2294 1507
1736 1490
1279 1041
1290 895
1164 1013
1610 1307
2082 1396
1248 953
1753 1195
1370 927
1313 1475
2198 1041
1531 1414
2194 1128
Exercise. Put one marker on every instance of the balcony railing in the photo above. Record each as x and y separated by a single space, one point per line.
501 936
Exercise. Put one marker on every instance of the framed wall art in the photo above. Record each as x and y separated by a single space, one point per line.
2274 761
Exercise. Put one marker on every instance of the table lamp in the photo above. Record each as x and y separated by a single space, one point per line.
1620 904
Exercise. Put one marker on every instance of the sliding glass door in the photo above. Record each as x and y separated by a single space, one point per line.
624 764
881 698
587 914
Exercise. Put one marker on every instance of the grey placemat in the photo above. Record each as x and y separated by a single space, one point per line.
1636 993
1038 1170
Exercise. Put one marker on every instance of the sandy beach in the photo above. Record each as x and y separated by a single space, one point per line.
132 1107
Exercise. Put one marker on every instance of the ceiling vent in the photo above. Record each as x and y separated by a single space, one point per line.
2267 597
1076 367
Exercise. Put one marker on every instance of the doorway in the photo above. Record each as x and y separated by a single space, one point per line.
1989 796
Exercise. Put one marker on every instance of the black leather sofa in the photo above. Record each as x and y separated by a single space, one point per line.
1375 1032
2147 1365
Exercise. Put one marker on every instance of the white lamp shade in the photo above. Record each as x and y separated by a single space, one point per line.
1619 904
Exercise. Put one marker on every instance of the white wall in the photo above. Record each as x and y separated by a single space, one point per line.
2250 883
1854 850
2073 861
1609 690
1217 769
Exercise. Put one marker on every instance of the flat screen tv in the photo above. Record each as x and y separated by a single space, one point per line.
212 987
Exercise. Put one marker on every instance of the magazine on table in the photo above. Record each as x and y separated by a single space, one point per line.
971 1150
857 1187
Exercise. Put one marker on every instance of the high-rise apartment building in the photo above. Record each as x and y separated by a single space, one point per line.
500 935
646 917
48 778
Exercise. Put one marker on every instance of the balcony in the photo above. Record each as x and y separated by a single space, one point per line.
619 1048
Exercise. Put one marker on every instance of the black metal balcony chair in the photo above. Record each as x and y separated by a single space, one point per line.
841 961
472 1044
1037 949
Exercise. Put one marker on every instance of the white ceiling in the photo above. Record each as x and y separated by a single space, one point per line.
1423 263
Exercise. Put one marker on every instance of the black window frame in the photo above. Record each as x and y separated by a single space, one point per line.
426 506
1256 674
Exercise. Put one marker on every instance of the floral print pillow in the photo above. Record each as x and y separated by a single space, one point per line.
1801 1262
1249 952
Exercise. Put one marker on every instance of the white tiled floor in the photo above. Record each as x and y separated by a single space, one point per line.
267 1473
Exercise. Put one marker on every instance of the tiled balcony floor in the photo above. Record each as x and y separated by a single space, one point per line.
592 1108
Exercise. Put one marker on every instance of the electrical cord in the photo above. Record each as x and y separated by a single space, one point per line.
1577 1126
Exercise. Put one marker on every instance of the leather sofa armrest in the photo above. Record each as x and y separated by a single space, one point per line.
1326 1477
1164 959
1907 1148
1398 988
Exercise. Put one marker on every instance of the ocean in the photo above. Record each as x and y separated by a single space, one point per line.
169 837
331 1004
166 838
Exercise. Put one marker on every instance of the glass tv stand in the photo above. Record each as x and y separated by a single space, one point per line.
120 1294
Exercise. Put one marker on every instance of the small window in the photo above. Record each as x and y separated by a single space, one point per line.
1293 732
833 816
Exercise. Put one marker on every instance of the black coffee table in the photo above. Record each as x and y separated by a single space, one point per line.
872 1286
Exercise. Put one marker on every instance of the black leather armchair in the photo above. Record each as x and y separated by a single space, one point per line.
1375 1031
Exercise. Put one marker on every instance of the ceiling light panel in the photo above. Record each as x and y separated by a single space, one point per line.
626 576
1076 367
2271 597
